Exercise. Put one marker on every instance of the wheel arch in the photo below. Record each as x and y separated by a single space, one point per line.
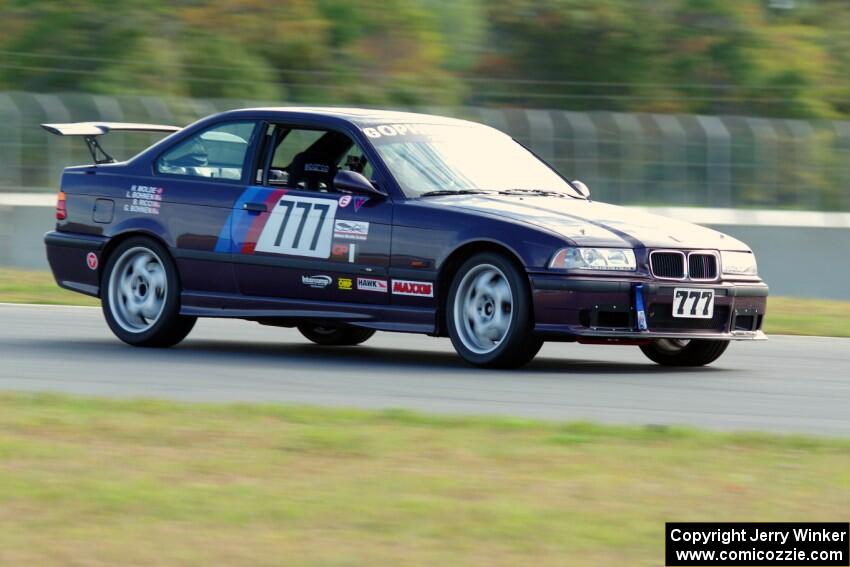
452 262
122 237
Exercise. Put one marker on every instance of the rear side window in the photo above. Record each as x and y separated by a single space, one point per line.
216 153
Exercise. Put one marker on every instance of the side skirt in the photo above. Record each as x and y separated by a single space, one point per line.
378 317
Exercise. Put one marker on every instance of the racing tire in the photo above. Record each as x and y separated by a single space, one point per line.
695 352
489 313
335 336
140 295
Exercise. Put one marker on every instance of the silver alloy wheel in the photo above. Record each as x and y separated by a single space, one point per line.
671 346
483 308
137 289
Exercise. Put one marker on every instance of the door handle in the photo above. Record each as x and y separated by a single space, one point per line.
255 207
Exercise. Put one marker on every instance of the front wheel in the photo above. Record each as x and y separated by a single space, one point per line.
140 295
680 352
335 336
489 313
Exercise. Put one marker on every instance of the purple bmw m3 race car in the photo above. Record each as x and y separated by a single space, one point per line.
341 222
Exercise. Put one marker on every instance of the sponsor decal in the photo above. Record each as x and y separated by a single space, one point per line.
351 230
91 260
344 201
317 167
144 199
344 252
339 251
370 284
419 289
390 130
299 226
345 284
359 202
317 282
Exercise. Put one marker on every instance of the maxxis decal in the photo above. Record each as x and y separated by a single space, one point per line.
417 289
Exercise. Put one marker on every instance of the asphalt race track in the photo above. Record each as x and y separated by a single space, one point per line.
788 384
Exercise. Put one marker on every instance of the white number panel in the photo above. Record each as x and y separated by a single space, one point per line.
299 226
691 303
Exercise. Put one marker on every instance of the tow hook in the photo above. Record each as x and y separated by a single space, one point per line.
639 308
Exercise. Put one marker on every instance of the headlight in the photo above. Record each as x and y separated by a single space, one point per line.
738 263
619 259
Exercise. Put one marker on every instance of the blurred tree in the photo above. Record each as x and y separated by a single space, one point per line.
577 43
73 46
285 40
706 56
732 57
389 52
221 67
463 29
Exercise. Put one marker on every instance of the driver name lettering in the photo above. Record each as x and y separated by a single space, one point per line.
144 199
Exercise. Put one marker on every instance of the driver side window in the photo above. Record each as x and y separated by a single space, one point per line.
308 159
216 153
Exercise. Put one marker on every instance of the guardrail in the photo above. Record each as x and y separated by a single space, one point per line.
652 159
799 253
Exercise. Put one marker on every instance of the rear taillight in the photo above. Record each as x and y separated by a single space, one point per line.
61 206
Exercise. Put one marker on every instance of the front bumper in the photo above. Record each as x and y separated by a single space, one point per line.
604 309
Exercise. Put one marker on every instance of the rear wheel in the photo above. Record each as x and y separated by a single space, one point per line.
679 352
140 295
489 313
334 335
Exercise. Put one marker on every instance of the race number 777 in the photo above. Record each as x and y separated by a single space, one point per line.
296 243
299 226
693 303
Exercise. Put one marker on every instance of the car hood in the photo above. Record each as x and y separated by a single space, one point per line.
589 223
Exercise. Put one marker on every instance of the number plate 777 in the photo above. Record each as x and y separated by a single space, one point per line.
692 303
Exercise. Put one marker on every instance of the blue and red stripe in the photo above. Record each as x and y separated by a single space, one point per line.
242 229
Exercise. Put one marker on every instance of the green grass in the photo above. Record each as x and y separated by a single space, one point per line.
95 482
791 316
27 286
786 315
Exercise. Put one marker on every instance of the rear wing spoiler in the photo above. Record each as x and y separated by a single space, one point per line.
90 130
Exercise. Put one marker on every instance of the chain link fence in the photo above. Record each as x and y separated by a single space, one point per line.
636 159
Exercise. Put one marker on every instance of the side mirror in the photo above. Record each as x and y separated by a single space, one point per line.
583 189
353 182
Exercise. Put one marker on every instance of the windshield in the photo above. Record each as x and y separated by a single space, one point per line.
426 158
